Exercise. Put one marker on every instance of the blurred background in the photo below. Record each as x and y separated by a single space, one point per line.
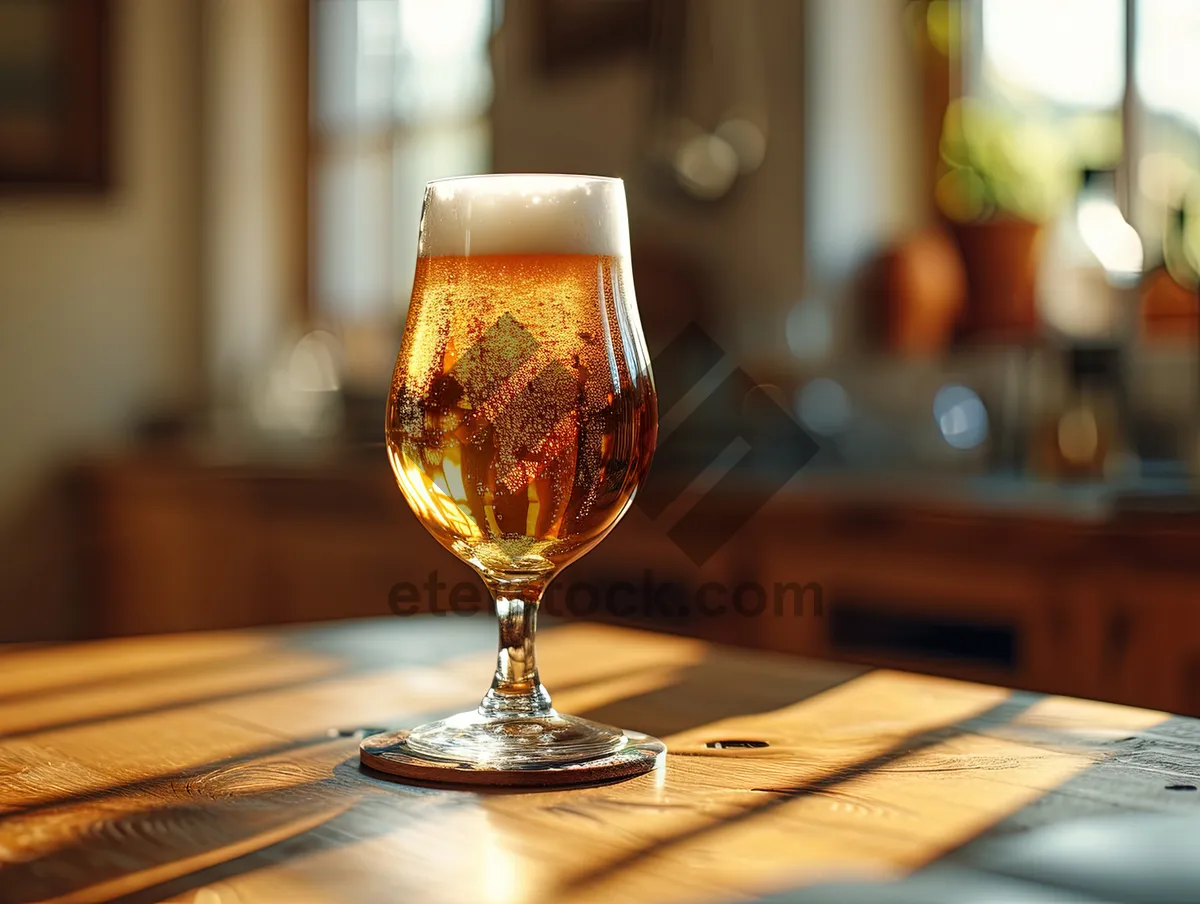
956 240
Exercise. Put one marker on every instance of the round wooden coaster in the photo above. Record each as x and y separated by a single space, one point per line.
386 753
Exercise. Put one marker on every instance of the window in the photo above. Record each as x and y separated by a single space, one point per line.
1064 54
401 90
1064 64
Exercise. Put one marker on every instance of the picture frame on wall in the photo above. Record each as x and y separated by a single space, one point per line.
55 59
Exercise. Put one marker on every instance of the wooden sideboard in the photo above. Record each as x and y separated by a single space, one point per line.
1050 597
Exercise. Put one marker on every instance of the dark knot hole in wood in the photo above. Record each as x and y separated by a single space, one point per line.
727 745
1181 787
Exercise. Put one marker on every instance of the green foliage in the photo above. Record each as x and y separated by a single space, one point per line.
997 163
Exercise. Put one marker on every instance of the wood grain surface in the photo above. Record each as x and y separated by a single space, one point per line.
224 768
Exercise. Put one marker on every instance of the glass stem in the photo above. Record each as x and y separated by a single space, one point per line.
517 691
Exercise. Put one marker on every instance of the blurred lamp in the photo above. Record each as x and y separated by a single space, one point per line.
301 396
809 330
1111 239
706 165
960 416
823 406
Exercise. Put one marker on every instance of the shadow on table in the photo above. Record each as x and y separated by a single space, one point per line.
703 694
288 658
780 795
198 818
229 819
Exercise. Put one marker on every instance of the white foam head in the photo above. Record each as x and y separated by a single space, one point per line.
524 214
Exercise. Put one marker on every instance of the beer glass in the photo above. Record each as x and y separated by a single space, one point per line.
520 422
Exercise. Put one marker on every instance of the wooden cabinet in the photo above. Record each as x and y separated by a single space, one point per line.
176 546
1102 608
1150 640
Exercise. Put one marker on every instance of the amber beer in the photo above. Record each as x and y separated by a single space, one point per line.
520 420
521 416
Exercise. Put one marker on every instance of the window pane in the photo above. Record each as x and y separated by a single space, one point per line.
443 69
1168 57
335 43
376 61
354 238
401 93
379 61
1068 52
432 153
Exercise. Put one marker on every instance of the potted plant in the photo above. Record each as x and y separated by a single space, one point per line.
1001 178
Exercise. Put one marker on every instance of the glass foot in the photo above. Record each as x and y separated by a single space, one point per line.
484 741
532 764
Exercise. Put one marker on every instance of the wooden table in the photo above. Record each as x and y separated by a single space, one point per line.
223 768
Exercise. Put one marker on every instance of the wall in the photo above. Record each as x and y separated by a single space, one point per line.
99 297
863 116
254 76
840 176
599 119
